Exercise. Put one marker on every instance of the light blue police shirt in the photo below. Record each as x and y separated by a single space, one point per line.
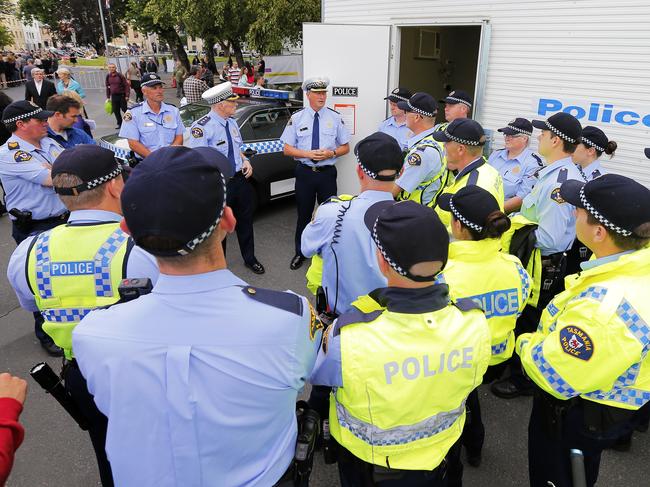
199 381
139 262
594 170
518 173
426 167
400 132
23 173
358 270
545 206
333 132
153 130
210 131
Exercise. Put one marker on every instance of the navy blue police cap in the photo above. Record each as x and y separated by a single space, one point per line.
92 164
564 125
379 152
647 152
594 137
176 193
518 126
420 103
396 226
619 203
463 131
471 205
24 110
458 96
399 94
151 79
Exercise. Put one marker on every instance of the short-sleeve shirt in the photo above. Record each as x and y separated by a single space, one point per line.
594 170
332 132
400 132
210 131
518 173
417 170
23 173
153 130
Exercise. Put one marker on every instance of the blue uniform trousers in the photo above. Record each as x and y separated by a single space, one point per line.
240 197
311 185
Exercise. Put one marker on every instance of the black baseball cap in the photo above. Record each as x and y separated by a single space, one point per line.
594 137
471 205
408 233
618 203
151 79
458 96
92 164
518 126
379 152
464 131
399 94
422 103
24 110
177 193
564 125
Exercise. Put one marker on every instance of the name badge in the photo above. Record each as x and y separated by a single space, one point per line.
148 124
221 142
303 129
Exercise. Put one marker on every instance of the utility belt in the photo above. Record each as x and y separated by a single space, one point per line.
553 271
317 168
25 223
325 315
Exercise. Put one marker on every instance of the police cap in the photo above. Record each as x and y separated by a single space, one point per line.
471 205
92 164
24 110
458 96
564 125
518 126
594 137
219 93
420 103
176 193
396 226
463 131
620 204
151 79
316 83
399 94
647 152
379 152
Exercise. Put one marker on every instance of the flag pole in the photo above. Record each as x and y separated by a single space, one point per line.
101 15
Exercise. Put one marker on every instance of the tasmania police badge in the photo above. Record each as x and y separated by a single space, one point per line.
555 196
575 342
197 132
22 156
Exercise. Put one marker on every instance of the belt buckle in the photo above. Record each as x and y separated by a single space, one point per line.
314 168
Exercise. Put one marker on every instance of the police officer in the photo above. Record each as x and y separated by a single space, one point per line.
424 175
315 136
464 139
199 378
458 104
516 163
395 125
588 358
554 233
413 344
219 130
153 123
495 280
25 169
593 144
69 270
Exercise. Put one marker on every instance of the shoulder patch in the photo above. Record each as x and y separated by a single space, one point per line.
562 175
466 304
22 156
555 196
333 110
575 342
12 145
278 299
315 323
326 339
128 116
414 159
354 316
197 132
203 120
538 159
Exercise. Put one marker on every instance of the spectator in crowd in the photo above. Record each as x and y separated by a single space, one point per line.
81 122
27 70
261 66
179 74
12 71
195 61
117 87
3 73
260 81
143 66
39 89
234 74
247 76
37 62
67 82
47 64
194 86
207 75
5 101
13 391
152 67
61 124
134 75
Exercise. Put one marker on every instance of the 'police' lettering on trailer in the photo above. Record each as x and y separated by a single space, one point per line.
599 112
504 302
59 269
412 368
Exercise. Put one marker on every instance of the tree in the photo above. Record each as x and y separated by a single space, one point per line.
5 35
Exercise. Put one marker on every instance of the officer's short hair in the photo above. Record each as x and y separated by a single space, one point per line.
568 147
62 104
631 242
83 200
163 244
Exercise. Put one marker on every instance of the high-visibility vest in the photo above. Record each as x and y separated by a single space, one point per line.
405 381
73 269
532 256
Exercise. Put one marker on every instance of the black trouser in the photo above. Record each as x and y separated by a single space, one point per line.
135 84
311 186
119 105
354 472
549 447
19 234
240 197
75 385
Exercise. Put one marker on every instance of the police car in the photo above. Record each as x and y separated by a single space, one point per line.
261 115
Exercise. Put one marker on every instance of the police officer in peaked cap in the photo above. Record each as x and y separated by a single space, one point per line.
395 125
458 104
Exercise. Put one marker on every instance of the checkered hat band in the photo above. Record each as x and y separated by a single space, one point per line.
191 245
592 144
521 131
390 261
104 179
403 98
417 110
601 218
221 97
464 102
464 220
23 116
560 134
461 141
153 82
373 175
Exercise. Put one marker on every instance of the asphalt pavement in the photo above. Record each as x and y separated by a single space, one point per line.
56 452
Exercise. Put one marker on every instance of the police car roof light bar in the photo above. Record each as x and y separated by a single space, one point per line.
262 93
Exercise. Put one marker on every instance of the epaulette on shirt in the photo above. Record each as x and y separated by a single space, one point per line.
355 316
135 106
203 120
562 175
286 301
466 304
13 145
538 159
333 110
